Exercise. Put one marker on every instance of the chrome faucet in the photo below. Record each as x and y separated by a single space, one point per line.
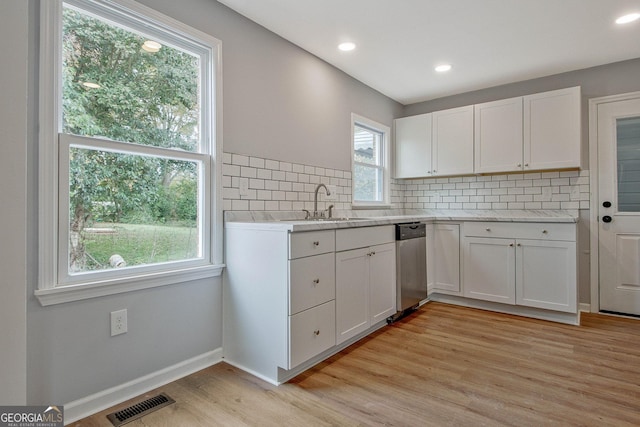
317 214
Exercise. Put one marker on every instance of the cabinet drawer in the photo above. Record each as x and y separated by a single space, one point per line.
312 281
311 332
311 243
520 230
361 237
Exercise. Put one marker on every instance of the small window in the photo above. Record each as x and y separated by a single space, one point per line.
370 177
127 149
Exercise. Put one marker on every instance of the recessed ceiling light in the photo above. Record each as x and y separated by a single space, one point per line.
91 85
628 18
151 46
346 46
443 68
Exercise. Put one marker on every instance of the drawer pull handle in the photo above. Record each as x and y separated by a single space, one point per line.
316 332
544 231
316 281
316 243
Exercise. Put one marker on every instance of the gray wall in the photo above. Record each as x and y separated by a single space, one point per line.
610 79
13 209
279 102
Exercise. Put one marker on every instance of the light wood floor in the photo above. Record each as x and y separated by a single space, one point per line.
442 366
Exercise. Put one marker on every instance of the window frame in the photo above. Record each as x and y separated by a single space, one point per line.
385 150
54 282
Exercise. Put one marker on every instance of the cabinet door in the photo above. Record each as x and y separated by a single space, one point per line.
446 244
413 146
382 282
431 262
352 293
546 274
552 129
498 136
489 269
452 139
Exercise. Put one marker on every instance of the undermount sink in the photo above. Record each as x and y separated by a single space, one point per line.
336 219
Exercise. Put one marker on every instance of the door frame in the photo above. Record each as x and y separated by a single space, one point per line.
593 185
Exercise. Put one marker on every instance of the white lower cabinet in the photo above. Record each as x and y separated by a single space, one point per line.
365 279
528 264
282 304
279 299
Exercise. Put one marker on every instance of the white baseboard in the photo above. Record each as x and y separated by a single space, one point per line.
81 408
585 307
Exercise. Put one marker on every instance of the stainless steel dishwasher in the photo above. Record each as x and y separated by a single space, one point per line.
411 265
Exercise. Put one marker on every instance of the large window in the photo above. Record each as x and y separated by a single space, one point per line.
127 159
370 171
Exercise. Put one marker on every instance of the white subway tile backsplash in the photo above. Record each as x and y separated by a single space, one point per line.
278 185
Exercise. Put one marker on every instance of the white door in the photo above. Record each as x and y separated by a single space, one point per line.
619 205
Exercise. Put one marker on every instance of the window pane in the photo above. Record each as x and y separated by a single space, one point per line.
141 209
115 86
367 146
628 142
367 184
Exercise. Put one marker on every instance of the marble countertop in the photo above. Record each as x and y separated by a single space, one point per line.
294 221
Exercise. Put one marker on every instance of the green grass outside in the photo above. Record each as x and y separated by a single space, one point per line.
140 244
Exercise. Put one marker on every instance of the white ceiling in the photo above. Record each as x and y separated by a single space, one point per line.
488 42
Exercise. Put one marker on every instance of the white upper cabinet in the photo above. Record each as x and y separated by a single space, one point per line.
452 140
552 129
498 136
413 146
526 133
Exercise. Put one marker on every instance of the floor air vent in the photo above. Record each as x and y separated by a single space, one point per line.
139 410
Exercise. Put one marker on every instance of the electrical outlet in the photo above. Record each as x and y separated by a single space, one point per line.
118 322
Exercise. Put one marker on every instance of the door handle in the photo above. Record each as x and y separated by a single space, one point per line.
606 219
606 204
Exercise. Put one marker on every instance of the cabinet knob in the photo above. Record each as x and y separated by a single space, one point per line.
519 244
316 243
316 281
373 253
519 165
526 165
544 231
434 171
316 332
511 244
487 229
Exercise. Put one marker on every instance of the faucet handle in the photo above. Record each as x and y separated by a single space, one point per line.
330 209
307 213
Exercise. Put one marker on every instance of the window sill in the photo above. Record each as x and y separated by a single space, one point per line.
63 294
356 206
